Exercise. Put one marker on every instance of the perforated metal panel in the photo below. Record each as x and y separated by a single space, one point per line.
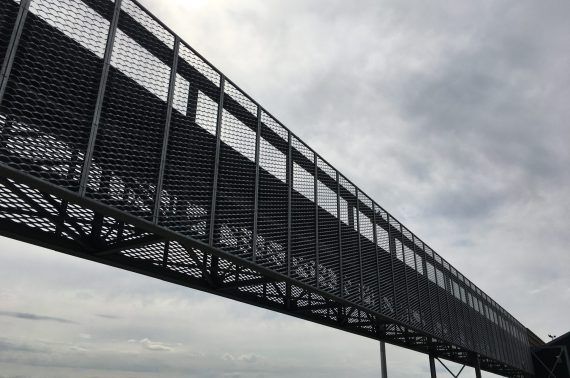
49 100
370 288
189 170
273 208
236 175
303 217
351 260
328 232
385 262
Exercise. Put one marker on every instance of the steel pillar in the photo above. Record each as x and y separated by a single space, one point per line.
383 367
477 366
433 373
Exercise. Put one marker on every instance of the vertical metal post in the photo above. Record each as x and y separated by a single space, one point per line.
171 87
427 281
13 46
375 238
383 366
341 278
418 277
214 261
432 370
477 366
316 197
256 195
392 257
217 159
357 209
289 200
100 97
441 313
289 178
165 253
408 317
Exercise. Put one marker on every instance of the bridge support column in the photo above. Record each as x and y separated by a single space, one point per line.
383 367
433 374
477 366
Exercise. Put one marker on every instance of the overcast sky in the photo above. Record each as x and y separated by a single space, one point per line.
452 115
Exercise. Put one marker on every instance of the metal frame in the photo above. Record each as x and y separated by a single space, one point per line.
100 97
171 87
221 272
13 46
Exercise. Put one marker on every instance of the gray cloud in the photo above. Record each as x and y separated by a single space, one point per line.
28 316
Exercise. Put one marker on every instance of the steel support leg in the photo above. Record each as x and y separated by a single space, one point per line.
432 367
383 367
477 366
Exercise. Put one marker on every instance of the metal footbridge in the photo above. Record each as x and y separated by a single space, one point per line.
121 144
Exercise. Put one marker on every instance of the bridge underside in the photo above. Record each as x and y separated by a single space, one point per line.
39 213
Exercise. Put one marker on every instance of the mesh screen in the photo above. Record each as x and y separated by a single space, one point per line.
48 106
303 222
189 170
351 285
129 140
272 223
329 253
236 175
370 289
385 263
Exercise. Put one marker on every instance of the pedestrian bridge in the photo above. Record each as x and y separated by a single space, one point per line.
121 144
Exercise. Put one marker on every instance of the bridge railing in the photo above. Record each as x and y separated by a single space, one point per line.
101 98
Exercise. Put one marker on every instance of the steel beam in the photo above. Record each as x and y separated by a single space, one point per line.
217 160
289 201
359 236
432 370
341 280
8 62
316 198
256 188
100 98
163 155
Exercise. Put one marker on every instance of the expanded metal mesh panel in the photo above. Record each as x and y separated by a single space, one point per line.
441 294
236 175
423 287
189 172
400 276
370 289
273 208
303 217
385 263
435 301
351 262
329 248
411 278
48 105
130 136
184 261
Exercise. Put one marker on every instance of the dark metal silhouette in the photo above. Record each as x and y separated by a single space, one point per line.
121 144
